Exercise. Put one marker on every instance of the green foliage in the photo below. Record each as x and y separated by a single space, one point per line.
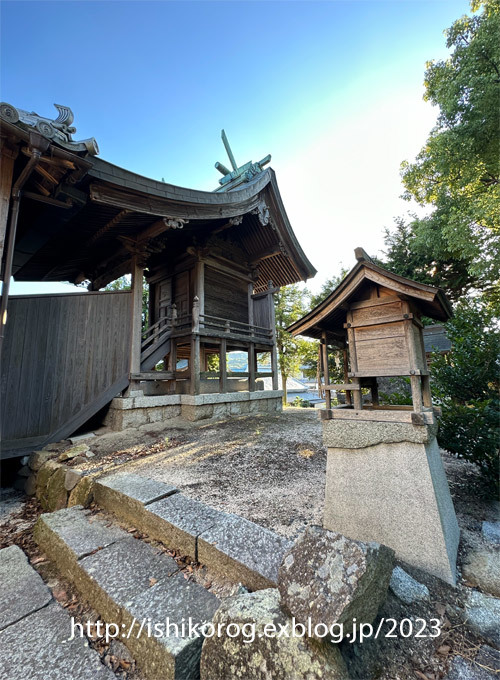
301 403
458 170
466 382
125 283
291 303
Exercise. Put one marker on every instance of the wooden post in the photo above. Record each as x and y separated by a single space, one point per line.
274 355
223 366
356 394
8 156
326 378
136 311
200 284
251 367
250 308
196 315
348 394
194 362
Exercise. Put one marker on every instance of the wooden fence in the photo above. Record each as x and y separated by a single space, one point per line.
64 358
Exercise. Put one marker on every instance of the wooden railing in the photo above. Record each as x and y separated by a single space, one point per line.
228 326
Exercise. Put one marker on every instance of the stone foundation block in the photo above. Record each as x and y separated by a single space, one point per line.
385 482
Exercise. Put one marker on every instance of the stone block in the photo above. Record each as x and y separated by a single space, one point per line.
43 477
346 434
328 579
177 521
482 569
243 551
115 575
56 495
200 412
125 494
279 657
25 471
174 600
79 450
23 591
30 485
83 493
68 535
406 588
38 647
394 493
482 614
39 458
71 479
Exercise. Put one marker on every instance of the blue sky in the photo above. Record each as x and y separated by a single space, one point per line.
333 90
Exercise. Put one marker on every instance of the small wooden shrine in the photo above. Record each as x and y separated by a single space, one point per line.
375 316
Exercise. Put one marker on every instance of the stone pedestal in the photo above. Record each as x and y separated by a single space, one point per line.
385 482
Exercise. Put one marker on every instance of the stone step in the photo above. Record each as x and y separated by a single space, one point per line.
35 630
131 584
238 549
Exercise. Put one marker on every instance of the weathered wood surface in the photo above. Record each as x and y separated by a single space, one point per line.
62 356
226 296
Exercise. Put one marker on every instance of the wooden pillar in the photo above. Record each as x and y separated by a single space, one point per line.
357 396
172 357
348 394
426 391
326 378
8 156
223 366
274 355
194 362
136 310
251 367
200 284
250 308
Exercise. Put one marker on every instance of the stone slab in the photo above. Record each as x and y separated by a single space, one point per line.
346 434
141 489
482 614
396 494
38 648
243 551
177 521
126 495
174 600
112 577
23 591
73 533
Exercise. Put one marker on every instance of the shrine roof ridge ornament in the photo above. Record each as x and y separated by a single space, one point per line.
59 130
238 175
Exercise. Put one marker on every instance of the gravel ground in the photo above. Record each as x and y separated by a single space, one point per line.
267 468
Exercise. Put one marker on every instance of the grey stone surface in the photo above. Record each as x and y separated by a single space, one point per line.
482 569
23 591
491 532
83 493
277 657
76 530
406 588
396 494
39 458
30 485
482 613
175 600
138 488
345 434
489 657
463 669
55 495
329 579
124 569
243 551
79 450
71 479
178 520
38 648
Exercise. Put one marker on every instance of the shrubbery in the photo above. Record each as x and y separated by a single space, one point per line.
466 383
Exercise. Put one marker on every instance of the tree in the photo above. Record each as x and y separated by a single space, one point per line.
291 303
125 283
457 172
467 383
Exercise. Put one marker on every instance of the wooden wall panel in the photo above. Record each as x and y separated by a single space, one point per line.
225 296
62 354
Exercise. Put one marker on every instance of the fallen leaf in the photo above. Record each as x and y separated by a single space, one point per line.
39 560
440 608
444 649
421 675
152 581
